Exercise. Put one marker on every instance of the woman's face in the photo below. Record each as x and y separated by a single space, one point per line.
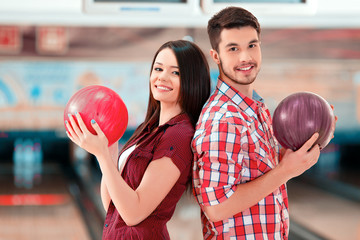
165 79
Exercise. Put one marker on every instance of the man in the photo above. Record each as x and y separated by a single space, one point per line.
238 180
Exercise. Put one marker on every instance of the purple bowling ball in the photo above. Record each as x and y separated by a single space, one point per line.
299 116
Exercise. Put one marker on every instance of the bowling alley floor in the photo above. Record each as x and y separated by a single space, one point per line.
46 211
328 215
315 214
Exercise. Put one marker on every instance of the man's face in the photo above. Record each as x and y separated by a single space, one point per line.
239 55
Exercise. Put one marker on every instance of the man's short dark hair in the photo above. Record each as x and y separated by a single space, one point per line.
230 17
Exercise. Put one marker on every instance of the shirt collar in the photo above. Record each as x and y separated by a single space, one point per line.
245 103
178 118
257 97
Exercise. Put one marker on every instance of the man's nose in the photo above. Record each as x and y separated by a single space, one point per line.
245 56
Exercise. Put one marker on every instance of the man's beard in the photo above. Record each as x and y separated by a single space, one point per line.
237 81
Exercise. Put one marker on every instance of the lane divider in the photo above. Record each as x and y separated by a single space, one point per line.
33 199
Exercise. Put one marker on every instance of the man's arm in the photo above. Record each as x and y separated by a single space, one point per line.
246 195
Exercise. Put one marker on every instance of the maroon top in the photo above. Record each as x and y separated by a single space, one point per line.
171 140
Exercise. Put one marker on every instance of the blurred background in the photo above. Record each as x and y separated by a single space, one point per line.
49 188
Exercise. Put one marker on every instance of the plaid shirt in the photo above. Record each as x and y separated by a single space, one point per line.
234 144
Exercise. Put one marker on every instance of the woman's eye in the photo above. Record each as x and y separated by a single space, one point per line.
157 69
176 73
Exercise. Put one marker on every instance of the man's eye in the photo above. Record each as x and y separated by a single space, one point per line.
252 45
233 49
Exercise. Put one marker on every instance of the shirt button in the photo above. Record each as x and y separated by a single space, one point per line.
106 225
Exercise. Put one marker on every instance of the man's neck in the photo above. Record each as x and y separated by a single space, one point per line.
246 90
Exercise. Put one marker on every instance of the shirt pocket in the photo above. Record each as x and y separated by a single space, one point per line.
260 160
264 164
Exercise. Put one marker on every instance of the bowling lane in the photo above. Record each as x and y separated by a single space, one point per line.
48 210
65 204
329 215
315 214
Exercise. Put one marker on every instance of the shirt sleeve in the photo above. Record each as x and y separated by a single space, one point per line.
217 162
176 144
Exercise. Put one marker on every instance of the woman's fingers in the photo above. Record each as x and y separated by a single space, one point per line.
82 125
69 127
69 136
70 132
98 131
75 125
79 133
97 128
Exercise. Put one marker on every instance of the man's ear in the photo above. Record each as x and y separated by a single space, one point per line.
215 56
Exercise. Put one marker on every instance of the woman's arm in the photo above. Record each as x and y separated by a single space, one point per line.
246 195
133 205
104 193
105 196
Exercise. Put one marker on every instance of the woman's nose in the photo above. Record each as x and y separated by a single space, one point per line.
162 76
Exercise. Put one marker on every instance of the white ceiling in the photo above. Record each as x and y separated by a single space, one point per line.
330 14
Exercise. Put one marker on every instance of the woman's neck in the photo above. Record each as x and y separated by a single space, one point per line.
168 113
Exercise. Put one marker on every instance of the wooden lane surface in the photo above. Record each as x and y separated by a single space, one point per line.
329 215
37 216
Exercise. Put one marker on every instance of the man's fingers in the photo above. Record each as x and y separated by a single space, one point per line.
309 143
314 153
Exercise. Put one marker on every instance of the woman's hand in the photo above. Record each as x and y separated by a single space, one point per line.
114 152
81 136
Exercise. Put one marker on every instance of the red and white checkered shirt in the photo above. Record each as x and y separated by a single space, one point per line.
234 144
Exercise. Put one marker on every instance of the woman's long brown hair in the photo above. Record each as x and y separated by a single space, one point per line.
194 85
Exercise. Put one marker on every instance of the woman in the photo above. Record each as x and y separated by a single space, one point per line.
140 193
